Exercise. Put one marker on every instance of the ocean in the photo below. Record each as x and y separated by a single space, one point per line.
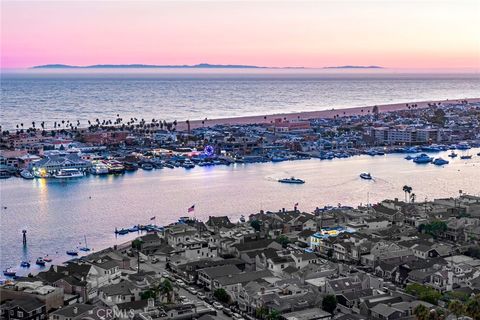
166 94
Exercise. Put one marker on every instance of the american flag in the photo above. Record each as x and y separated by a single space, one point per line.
191 209
153 218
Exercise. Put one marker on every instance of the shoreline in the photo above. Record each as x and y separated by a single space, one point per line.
320 114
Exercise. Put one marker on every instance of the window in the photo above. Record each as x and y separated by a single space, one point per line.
20 314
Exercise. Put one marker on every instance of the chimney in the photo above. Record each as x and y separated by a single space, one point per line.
262 290
75 310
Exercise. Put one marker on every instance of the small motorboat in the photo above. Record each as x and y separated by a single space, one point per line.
10 272
242 218
25 174
422 158
409 157
147 166
466 157
453 154
366 176
440 162
25 264
47 259
121 231
40 261
72 253
292 180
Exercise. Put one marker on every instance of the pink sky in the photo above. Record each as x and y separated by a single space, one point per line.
391 33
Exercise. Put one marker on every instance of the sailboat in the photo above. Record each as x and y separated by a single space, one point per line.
85 248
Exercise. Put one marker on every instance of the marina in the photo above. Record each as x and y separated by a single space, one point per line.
97 204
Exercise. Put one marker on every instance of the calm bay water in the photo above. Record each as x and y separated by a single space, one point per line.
57 214
46 95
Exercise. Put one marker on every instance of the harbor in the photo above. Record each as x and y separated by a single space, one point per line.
60 213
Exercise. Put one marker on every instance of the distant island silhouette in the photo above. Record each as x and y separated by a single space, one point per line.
354 67
194 66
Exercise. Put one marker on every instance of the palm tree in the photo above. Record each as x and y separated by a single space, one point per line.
413 196
457 308
407 190
166 290
421 312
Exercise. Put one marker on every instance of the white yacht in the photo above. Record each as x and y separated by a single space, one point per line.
68 173
99 167
25 174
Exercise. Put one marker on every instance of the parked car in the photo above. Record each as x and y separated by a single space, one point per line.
228 312
217 305
192 290
201 295
180 282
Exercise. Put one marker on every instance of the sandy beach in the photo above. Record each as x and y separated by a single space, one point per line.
326 114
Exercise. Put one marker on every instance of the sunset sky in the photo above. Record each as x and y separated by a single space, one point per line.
390 33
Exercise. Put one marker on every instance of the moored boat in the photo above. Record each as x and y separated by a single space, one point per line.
47 259
422 158
25 174
40 261
25 264
292 180
452 154
366 176
10 272
99 168
72 253
68 174
466 157
147 166
440 162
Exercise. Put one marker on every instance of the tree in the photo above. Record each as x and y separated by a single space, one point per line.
423 293
407 190
255 224
421 312
283 240
457 308
434 228
473 307
221 295
329 303
166 290
273 315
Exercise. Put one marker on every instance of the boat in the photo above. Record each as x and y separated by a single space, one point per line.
292 180
278 159
466 157
99 168
463 146
10 272
121 231
452 154
440 162
47 259
40 261
25 264
409 157
366 176
422 158
130 166
242 218
85 248
188 164
68 174
115 167
478 154
25 174
147 166
72 253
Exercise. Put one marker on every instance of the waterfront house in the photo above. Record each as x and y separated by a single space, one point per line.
54 162
28 290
